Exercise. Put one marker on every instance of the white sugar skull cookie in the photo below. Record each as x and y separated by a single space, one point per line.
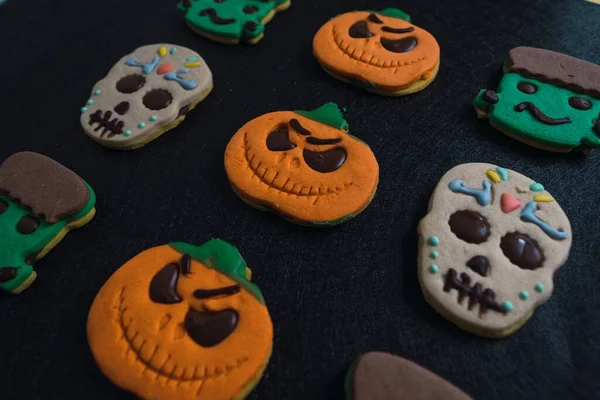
489 247
145 94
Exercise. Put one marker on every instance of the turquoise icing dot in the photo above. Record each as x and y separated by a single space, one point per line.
127 132
539 287
524 295
434 269
192 59
97 92
141 125
536 187
434 240
153 118
90 102
173 50
83 109
502 172
507 305
435 254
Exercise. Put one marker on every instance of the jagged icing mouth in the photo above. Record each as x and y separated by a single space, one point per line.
111 126
476 294
198 375
539 115
304 191
358 55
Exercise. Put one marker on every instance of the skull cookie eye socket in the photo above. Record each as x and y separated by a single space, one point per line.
157 99
469 226
325 161
131 83
28 225
527 88
279 139
579 103
522 250
359 30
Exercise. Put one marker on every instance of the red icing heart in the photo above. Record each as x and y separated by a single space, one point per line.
164 68
509 203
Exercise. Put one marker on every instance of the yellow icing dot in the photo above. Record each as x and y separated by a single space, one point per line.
543 198
493 175
194 64
162 51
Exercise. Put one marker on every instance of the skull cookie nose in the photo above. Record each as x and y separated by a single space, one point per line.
208 329
122 108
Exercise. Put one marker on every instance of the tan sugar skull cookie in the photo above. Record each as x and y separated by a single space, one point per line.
489 247
145 94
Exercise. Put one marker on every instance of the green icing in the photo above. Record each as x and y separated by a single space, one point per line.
549 99
223 257
231 19
348 380
395 13
328 114
15 247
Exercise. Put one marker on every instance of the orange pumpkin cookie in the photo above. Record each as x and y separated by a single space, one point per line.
380 51
182 322
302 165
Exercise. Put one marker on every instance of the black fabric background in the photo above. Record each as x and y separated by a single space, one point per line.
332 293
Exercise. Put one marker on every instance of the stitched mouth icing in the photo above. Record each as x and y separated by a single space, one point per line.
113 127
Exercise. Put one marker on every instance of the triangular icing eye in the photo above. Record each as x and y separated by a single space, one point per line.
163 287
325 161
359 30
279 139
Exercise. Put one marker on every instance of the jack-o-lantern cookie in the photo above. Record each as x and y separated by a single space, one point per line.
380 51
182 322
145 94
489 247
302 165
546 99
382 376
40 202
231 21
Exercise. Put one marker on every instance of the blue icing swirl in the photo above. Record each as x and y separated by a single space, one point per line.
528 215
483 196
147 68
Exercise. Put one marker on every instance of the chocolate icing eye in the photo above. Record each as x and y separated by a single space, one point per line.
522 250
131 83
163 287
360 30
210 328
580 103
279 139
325 161
3 206
469 226
157 99
27 225
399 45
527 88
250 9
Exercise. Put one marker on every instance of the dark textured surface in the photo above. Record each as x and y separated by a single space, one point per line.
332 293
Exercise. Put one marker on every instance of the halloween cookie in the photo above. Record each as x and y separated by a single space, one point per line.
302 165
547 100
231 21
489 247
380 51
40 202
382 376
145 94
182 322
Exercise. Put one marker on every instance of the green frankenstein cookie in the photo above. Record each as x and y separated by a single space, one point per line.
40 202
231 21
547 100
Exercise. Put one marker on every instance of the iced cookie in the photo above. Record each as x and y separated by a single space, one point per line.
489 247
545 99
382 376
380 51
231 21
145 94
302 165
40 202
182 322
